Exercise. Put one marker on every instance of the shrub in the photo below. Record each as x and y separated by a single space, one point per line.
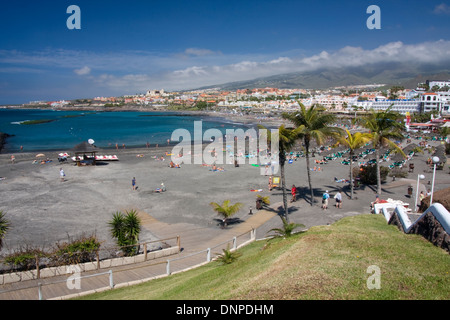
76 251
264 199
368 174
398 173
288 229
4 227
125 228
24 259
228 256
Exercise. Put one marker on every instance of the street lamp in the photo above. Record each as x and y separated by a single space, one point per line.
419 177
435 162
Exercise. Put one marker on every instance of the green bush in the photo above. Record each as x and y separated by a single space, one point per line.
76 251
368 174
125 228
398 173
24 259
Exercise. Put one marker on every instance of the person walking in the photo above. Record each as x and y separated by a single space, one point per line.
338 198
62 174
294 193
325 198
133 183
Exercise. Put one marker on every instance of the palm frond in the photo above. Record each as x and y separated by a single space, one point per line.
287 230
228 256
225 209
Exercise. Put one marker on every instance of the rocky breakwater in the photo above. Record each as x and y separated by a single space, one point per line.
3 137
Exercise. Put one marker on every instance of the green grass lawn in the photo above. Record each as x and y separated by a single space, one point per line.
326 262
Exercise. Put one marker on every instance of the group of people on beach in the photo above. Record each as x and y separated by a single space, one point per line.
134 186
337 197
325 196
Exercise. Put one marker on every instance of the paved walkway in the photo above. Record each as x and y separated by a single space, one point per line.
193 239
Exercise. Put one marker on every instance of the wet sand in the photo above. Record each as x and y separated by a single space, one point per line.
43 210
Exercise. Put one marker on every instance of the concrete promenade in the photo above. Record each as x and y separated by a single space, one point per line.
43 210
193 239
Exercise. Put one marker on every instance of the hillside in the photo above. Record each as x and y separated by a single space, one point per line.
326 262
384 74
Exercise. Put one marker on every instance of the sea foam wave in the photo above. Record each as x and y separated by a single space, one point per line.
19 122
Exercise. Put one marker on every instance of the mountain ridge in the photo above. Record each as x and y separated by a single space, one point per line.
386 74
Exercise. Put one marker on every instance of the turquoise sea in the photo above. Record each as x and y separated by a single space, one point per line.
69 128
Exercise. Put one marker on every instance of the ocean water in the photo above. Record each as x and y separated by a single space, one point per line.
69 128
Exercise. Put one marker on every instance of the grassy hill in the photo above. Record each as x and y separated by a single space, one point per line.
326 262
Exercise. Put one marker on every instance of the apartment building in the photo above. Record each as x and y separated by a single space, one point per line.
445 97
430 101
439 101
402 106
438 83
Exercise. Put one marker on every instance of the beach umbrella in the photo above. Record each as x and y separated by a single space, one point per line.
40 155
91 141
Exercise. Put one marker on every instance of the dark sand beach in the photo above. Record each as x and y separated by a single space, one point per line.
43 210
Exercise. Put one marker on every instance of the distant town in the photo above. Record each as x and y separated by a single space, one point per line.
432 96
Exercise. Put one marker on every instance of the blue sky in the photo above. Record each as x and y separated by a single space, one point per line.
127 47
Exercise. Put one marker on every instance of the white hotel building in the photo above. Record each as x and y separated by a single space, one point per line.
430 101
439 101
381 104
400 106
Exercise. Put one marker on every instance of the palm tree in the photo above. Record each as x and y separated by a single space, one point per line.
4 227
287 230
384 126
313 125
126 229
444 132
353 142
287 138
264 199
228 256
226 210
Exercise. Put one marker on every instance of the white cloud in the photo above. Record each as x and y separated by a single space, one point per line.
83 71
191 72
247 69
137 71
198 52
442 9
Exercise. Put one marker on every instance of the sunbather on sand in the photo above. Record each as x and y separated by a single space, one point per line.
162 189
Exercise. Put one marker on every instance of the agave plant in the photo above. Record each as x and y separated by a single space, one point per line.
4 227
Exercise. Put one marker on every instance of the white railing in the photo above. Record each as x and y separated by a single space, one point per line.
437 209
208 255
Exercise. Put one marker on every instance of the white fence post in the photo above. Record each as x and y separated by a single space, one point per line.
208 254
40 290
111 281
168 268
